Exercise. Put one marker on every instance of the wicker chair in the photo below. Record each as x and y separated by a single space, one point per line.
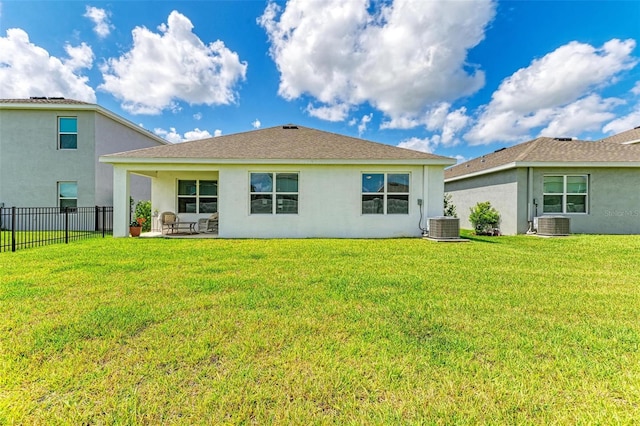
167 221
208 225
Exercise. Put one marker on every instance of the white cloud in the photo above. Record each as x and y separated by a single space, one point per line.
624 123
460 159
636 88
585 114
362 127
548 90
256 124
424 145
217 133
100 18
149 80
329 113
28 70
400 58
197 116
173 136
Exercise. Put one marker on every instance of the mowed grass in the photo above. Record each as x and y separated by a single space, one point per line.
499 330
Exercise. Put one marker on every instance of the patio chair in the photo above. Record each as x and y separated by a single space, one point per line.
209 225
167 221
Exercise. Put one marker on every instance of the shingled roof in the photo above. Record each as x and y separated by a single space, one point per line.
629 137
43 100
545 150
288 142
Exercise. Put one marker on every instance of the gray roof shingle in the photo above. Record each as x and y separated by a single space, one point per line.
630 136
548 150
289 142
44 100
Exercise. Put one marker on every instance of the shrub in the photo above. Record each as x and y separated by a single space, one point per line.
143 210
449 207
484 218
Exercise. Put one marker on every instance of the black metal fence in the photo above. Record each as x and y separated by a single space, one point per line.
23 227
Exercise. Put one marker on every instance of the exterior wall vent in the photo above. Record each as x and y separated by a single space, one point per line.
553 225
444 228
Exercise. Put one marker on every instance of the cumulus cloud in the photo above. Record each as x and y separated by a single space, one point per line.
217 133
256 124
28 70
622 124
100 17
548 91
170 66
197 116
424 145
364 121
399 57
173 136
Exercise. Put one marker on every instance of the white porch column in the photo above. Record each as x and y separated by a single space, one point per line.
121 180
434 191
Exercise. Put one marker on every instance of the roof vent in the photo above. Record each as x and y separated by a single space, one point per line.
56 98
562 139
637 127
501 149
38 97
289 127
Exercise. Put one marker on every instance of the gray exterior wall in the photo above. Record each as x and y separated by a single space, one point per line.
613 198
501 189
31 165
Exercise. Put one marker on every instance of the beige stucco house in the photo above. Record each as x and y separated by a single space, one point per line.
287 182
49 149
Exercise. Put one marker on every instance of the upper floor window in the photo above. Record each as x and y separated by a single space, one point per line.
274 193
67 132
385 193
565 194
67 194
197 196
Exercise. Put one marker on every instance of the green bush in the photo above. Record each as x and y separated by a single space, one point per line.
449 207
143 209
484 218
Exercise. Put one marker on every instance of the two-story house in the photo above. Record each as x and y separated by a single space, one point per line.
49 149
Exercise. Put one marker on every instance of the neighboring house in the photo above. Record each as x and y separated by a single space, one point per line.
288 182
595 184
49 149
629 137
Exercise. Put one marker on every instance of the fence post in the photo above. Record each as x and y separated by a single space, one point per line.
66 225
97 219
104 220
13 228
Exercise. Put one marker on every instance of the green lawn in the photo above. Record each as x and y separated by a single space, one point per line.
500 330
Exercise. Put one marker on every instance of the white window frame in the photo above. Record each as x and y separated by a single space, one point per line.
274 193
385 193
60 133
60 197
564 194
197 195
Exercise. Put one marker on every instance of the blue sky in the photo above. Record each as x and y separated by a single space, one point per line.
457 78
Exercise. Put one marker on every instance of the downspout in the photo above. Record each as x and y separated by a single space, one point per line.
530 203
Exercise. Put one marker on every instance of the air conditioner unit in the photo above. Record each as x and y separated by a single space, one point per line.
553 225
444 228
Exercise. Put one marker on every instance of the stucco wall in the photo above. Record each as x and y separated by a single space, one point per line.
614 199
501 189
112 137
329 201
31 164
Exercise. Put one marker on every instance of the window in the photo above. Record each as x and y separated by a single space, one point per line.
67 195
197 196
565 194
267 198
385 193
67 132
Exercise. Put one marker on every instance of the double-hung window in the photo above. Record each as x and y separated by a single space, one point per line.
274 193
67 195
565 194
385 193
197 196
67 133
